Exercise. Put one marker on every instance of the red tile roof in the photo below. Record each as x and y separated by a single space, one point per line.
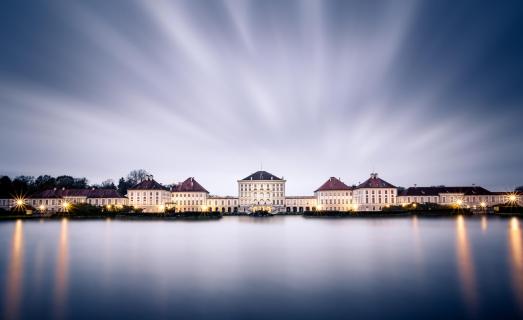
333 184
375 182
189 185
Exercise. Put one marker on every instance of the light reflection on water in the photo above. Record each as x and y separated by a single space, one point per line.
467 273
15 273
242 267
62 272
516 259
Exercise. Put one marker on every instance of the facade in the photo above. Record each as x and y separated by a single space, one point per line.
261 191
57 200
6 202
510 198
468 197
188 196
149 195
225 204
300 203
334 195
374 194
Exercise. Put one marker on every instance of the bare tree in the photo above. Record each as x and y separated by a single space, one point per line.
136 176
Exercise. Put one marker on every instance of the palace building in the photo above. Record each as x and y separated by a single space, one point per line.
149 195
466 197
261 191
334 195
374 194
59 199
188 195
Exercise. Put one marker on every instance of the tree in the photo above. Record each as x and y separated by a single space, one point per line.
108 184
122 186
6 186
22 184
519 189
44 182
64 182
136 176
80 183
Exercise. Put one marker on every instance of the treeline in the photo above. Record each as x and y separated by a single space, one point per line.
26 185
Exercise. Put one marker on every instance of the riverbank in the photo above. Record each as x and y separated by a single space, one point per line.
198 216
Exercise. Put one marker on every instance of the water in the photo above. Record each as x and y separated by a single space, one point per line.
254 268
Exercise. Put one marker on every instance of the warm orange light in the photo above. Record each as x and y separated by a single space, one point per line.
512 198
483 204
514 223
41 207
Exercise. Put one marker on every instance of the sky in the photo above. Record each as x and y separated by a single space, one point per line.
421 92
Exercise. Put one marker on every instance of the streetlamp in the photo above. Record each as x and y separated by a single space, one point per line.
66 206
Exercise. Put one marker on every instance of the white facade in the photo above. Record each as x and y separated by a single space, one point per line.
189 201
225 204
261 191
149 196
337 200
470 197
374 194
300 203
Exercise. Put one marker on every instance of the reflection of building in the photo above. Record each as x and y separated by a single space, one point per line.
261 191
149 195
334 195
473 196
374 194
189 196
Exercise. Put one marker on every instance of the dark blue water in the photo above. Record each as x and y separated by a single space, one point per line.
261 268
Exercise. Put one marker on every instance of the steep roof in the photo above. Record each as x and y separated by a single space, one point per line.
189 185
262 175
435 191
148 184
333 184
375 182
65 193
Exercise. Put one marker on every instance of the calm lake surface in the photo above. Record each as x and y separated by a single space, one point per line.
255 268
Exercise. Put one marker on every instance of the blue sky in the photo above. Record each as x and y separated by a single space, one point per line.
423 92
